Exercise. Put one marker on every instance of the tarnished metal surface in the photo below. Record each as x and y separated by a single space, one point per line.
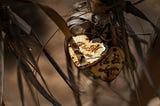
85 52
94 56
110 67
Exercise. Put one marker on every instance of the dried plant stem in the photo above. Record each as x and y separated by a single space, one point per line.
71 76
59 21
119 13
130 64
131 67
1 68
137 2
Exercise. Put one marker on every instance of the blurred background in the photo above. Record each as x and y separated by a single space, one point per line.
105 97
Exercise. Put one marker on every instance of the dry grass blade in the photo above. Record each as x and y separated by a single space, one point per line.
52 61
136 37
34 95
33 80
20 49
20 22
56 66
72 77
30 76
60 22
27 29
120 18
64 28
137 2
139 52
1 68
20 84
46 44
15 29
156 36
135 11
35 66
